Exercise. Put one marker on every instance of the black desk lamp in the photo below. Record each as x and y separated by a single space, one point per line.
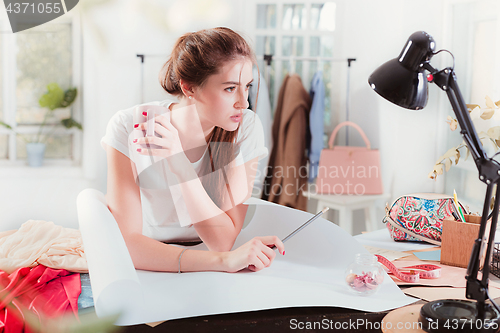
401 81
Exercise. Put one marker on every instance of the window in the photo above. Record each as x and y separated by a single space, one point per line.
306 29
32 59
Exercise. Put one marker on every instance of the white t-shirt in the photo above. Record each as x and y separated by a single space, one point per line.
165 217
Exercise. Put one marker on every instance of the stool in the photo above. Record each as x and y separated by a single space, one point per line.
346 204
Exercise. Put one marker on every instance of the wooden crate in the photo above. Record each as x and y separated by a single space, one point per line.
458 239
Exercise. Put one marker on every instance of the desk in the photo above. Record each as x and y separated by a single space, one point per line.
346 204
272 321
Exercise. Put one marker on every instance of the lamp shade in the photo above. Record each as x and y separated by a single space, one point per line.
402 80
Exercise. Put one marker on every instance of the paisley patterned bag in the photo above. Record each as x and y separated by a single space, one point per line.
419 217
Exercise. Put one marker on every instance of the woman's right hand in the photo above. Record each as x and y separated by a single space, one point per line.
255 254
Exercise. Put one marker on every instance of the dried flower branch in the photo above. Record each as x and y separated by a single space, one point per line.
445 162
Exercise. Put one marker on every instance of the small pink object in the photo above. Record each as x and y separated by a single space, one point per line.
350 278
362 283
365 275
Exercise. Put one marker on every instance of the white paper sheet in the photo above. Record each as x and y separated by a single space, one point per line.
382 239
114 280
310 274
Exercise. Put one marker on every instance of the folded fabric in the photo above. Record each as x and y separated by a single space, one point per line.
40 242
30 296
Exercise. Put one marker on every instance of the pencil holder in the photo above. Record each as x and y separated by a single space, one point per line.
458 239
365 275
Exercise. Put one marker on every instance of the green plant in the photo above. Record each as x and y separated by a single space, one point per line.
54 98
484 118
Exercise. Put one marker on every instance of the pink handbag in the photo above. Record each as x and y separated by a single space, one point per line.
349 170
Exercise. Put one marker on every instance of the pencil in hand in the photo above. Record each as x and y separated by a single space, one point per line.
302 226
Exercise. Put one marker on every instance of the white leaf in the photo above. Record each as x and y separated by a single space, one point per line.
447 164
475 113
487 114
452 152
489 102
452 122
494 133
439 169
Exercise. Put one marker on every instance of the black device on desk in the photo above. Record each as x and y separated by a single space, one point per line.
402 82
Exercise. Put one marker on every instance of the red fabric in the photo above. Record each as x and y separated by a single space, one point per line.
42 291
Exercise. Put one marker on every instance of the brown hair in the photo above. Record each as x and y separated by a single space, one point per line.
194 58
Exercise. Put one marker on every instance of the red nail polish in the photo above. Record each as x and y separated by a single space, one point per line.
135 140
139 150
283 252
145 113
136 125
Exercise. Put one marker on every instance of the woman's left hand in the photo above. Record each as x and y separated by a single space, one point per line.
167 145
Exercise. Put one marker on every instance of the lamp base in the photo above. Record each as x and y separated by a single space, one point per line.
449 315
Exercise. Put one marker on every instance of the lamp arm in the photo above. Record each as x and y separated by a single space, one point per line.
489 173
491 240
478 289
467 128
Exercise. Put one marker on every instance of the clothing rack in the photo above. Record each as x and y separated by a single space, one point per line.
143 56
268 58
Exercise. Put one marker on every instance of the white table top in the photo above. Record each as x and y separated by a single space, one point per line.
382 239
345 199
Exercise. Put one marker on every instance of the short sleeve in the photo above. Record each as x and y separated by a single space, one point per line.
117 134
251 138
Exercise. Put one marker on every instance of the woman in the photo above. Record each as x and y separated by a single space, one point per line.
202 162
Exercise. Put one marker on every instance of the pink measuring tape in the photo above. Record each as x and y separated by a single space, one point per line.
416 272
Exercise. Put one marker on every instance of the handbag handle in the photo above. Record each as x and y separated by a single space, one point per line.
411 233
348 123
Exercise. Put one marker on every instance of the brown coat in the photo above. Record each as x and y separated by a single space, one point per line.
287 174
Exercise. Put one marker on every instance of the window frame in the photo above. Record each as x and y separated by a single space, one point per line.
8 92
337 89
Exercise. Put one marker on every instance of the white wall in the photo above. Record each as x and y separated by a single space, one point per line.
375 32
372 31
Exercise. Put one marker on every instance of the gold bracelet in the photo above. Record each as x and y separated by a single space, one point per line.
180 256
